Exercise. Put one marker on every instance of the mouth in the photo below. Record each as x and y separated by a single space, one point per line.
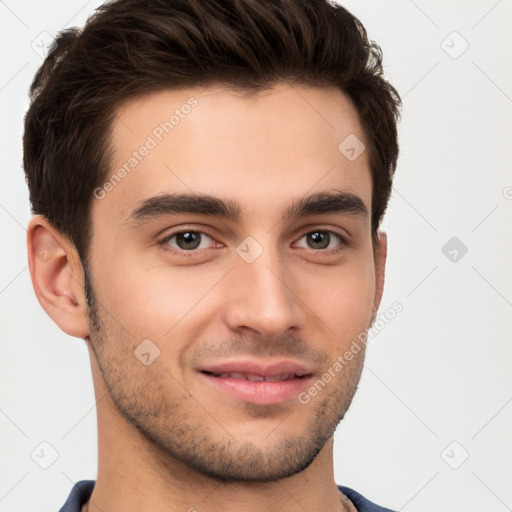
254 377
258 382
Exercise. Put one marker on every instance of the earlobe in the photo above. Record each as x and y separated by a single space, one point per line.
57 277
380 254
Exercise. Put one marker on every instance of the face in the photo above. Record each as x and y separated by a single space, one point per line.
231 266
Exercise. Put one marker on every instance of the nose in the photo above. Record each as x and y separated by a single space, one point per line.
261 298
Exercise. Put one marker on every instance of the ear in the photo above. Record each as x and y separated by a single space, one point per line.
380 254
57 277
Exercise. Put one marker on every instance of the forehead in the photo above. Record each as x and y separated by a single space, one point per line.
259 150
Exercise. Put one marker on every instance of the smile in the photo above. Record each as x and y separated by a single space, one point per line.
258 383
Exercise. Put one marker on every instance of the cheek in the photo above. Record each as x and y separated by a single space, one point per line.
342 300
154 301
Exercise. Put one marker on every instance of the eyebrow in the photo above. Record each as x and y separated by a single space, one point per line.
314 204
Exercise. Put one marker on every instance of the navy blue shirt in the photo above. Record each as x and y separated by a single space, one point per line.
82 491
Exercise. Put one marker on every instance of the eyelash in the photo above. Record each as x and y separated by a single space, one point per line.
342 244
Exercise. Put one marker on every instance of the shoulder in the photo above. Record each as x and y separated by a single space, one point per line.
360 502
80 493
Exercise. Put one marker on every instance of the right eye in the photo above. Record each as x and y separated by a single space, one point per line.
189 240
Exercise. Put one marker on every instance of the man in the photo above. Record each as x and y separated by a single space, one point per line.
208 180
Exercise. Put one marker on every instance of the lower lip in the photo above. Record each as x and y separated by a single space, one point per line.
259 392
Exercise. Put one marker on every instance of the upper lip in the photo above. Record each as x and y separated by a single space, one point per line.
263 368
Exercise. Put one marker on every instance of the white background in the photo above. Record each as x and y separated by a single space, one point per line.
439 372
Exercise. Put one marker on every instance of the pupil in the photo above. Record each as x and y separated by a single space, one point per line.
318 240
188 240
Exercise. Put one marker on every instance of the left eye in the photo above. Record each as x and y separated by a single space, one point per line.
189 240
320 240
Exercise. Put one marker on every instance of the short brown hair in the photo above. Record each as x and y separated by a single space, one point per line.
133 47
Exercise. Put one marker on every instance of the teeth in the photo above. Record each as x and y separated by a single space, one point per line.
254 377
238 375
277 378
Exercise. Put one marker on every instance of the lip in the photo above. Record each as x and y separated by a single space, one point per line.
258 392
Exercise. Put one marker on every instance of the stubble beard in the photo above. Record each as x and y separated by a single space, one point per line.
176 434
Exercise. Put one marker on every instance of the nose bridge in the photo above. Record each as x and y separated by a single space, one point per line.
263 299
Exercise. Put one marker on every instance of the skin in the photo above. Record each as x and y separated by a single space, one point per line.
167 439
